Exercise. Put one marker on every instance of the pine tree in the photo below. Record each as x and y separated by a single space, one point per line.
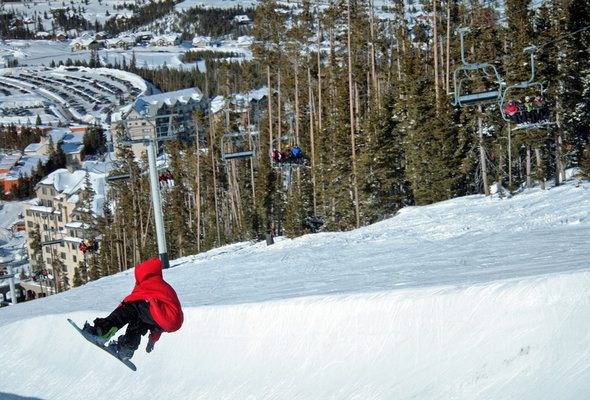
78 280
384 185
36 247
181 240
576 67
107 259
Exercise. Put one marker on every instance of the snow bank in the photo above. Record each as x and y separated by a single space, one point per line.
472 298
511 339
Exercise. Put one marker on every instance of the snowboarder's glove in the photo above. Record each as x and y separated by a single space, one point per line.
150 346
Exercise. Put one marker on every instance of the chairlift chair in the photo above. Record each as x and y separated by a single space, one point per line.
530 86
483 72
237 145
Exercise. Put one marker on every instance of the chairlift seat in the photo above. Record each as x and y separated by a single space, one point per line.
239 154
478 98
533 125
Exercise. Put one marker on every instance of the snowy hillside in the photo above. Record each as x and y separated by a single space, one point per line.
472 298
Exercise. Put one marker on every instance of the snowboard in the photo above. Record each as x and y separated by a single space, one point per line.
95 341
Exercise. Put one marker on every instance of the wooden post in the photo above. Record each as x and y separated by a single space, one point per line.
482 154
448 55
539 167
528 167
319 62
312 140
269 107
509 157
435 54
352 123
213 167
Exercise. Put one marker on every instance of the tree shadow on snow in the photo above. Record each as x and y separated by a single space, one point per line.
10 396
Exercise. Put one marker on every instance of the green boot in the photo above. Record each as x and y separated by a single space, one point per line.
106 335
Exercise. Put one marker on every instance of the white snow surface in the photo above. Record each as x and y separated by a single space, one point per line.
471 298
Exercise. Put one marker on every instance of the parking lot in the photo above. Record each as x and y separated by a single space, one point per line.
66 94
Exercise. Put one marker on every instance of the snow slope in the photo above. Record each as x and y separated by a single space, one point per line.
472 298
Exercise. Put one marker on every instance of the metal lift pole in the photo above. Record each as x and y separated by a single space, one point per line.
157 203
11 284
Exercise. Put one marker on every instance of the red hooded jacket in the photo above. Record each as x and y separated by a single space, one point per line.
164 304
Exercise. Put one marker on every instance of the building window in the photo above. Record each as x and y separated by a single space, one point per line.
62 255
29 213
30 224
73 246
62 244
74 258
47 250
49 261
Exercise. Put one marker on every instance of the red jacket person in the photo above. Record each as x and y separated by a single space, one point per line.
152 305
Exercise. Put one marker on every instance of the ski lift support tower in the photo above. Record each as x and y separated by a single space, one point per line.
10 276
159 128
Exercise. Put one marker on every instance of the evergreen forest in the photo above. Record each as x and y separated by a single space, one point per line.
367 93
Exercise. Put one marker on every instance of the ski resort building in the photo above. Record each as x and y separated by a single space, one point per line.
60 218
15 165
161 115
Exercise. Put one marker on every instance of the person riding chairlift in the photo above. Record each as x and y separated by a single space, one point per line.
540 110
288 154
528 109
512 113
297 153
277 156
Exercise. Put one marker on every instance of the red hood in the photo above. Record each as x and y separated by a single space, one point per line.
148 269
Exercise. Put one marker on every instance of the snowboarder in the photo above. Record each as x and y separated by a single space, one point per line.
152 305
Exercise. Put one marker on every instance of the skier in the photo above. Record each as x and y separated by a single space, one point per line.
152 305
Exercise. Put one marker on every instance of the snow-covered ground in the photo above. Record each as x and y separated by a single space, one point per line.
34 53
472 298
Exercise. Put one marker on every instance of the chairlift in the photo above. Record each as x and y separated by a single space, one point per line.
484 73
529 87
237 144
281 144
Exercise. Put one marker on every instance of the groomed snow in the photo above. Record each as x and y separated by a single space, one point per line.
472 298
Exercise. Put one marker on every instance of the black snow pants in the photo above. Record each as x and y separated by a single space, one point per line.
136 315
